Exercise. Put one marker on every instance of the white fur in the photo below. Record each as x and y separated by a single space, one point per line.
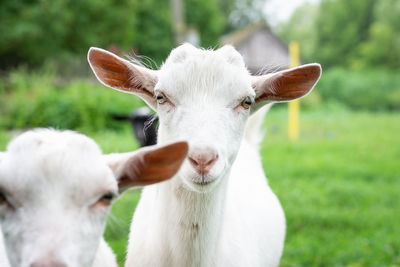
236 220
3 256
53 180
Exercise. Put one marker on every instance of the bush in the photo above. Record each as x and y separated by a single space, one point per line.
32 32
312 100
36 100
369 89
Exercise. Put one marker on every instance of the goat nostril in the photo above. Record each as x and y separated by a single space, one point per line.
193 162
203 163
212 160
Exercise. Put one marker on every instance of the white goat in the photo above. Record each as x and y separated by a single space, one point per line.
216 211
56 189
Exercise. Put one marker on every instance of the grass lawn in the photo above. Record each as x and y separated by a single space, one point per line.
339 186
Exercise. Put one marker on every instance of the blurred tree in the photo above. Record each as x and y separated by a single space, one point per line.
382 48
35 31
301 28
246 12
357 34
226 7
206 17
152 29
341 26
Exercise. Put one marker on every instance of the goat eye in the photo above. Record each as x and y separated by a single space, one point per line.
106 199
247 102
161 98
3 199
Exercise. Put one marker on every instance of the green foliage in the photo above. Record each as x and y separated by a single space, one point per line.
341 26
33 31
383 45
117 232
367 89
207 19
246 12
358 44
36 31
301 28
36 100
312 100
359 34
153 33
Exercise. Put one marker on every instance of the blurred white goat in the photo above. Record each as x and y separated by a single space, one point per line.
56 189
216 211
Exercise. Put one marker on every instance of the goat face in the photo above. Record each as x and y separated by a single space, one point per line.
46 212
56 189
204 97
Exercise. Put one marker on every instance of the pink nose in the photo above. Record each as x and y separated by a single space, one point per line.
203 162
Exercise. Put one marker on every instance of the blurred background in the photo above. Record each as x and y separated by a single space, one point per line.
338 181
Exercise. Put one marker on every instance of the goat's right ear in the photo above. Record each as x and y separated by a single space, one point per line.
120 74
2 156
148 165
285 85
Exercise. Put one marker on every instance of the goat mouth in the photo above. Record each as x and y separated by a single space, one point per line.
203 181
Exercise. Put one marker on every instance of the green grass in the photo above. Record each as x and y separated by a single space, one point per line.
339 185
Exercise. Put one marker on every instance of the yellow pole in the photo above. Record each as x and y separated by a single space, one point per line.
294 106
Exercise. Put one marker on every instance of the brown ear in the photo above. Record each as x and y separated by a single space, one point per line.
285 85
120 74
148 165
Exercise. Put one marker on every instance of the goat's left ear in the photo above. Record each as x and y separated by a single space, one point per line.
122 75
148 165
2 156
285 85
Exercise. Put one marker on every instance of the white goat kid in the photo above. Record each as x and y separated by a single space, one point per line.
55 193
216 211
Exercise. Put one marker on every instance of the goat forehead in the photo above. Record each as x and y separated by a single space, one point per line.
56 164
206 73
50 154
187 51
45 139
56 173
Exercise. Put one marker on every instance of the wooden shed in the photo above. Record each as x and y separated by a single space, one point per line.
261 49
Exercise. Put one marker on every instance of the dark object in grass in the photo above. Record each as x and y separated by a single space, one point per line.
144 124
